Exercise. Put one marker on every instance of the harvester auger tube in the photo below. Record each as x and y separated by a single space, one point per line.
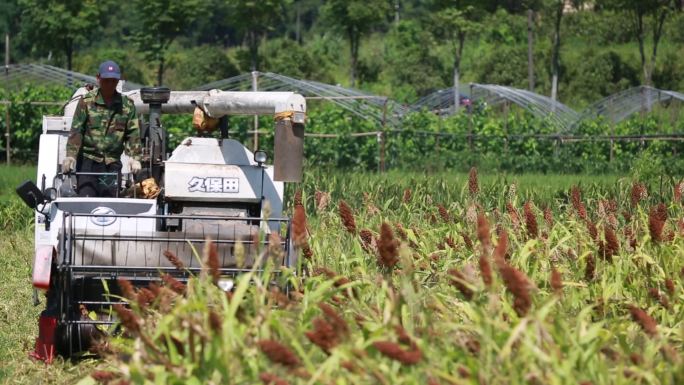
205 186
287 108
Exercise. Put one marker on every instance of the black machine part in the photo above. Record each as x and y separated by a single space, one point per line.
30 194
154 134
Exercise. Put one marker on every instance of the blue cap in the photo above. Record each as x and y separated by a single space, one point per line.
109 70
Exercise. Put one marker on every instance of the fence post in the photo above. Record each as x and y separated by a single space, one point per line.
439 133
381 136
557 144
8 147
506 111
255 79
7 53
674 115
470 120
612 131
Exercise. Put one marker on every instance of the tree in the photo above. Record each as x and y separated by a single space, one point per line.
453 22
413 68
300 15
285 56
254 19
556 8
61 23
186 71
640 14
530 48
9 21
356 18
532 7
159 23
9 16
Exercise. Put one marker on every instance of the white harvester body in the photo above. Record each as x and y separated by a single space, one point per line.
210 188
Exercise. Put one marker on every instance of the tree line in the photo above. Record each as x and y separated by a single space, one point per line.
403 48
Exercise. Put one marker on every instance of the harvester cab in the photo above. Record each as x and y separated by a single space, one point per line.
205 188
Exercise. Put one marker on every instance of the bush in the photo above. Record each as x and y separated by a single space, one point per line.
26 119
500 144
600 74
287 57
507 66
600 28
412 67
133 66
669 72
191 68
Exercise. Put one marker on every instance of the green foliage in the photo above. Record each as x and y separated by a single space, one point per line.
506 29
65 23
132 66
505 66
600 74
354 19
410 52
200 65
580 329
397 58
255 19
19 328
589 333
14 214
26 119
158 23
9 21
453 21
675 29
346 152
285 56
670 72
498 144
504 144
603 28
647 21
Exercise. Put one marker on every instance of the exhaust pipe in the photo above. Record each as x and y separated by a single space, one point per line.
289 151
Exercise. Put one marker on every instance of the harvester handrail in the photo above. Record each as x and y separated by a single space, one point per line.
166 216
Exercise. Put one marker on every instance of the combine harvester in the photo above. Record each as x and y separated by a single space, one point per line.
206 187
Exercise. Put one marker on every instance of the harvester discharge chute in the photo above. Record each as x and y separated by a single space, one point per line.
206 188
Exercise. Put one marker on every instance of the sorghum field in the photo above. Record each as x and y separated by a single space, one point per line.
414 279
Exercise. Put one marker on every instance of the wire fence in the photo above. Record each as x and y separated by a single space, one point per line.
383 110
388 115
382 135
389 148
18 75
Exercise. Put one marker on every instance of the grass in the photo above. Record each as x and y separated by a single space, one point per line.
431 318
585 334
11 177
18 315
19 318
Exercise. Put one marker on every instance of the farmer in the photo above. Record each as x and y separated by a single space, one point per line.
104 124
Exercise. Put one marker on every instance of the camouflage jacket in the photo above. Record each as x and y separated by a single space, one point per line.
101 132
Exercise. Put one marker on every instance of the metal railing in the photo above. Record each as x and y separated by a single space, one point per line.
82 287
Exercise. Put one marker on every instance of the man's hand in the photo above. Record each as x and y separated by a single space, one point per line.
135 166
68 165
